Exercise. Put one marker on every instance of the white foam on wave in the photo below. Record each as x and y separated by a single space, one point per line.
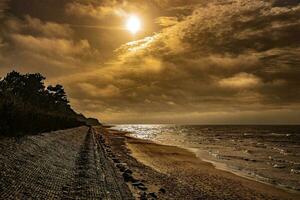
204 156
253 153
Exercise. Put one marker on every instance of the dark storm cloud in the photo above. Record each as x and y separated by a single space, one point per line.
207 61
286 3
3 7
31 45
244 55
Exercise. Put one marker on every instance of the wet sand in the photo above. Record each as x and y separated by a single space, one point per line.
175 173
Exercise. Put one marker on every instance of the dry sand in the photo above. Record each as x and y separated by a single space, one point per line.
182 175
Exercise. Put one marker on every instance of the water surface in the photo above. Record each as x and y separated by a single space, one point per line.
269 154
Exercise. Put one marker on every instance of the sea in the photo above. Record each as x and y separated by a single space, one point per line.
265 153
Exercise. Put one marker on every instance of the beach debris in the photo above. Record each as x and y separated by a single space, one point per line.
137 183
127 177
250 159
108 150
279 166
295 171
116 160
121 166
128 171
153 195
143 196
142 187
162 190
248 151
271 158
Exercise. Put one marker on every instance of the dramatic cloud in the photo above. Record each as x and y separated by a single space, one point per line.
37 27
3 7
167 21
104 9
90 10
46 47
242 80
199 61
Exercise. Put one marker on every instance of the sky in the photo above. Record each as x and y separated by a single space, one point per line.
192 62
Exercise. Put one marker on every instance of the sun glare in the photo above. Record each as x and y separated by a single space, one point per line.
133 24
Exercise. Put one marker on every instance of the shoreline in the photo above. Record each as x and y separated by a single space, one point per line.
189 173
224 167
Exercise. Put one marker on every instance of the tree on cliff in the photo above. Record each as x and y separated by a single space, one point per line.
26 105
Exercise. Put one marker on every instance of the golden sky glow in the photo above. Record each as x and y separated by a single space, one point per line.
161 61
133 24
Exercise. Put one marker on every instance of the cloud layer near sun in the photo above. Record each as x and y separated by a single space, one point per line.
203 62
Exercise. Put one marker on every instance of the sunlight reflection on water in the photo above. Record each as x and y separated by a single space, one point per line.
266 153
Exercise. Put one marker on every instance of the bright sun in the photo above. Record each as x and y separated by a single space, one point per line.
133 24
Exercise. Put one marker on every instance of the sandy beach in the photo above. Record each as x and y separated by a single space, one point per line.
100 163
175 173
